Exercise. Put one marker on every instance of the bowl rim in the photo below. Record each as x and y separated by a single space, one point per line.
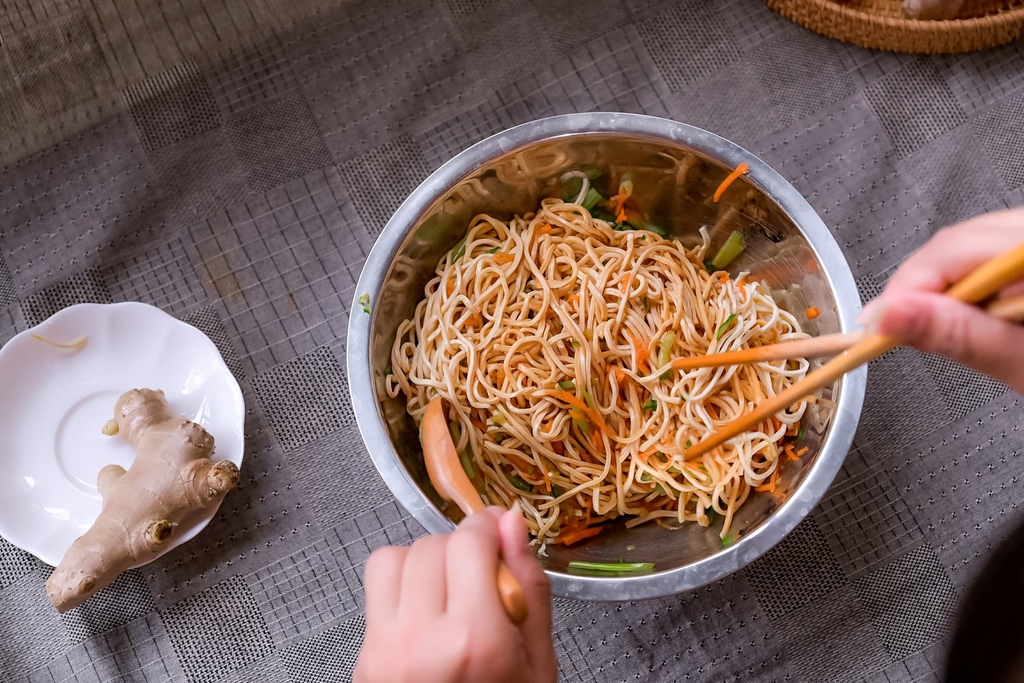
835 268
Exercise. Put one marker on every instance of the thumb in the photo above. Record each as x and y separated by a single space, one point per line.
935 323
522 562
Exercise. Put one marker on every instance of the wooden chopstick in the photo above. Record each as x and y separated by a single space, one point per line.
1008 309
980 284
1011 309
825 345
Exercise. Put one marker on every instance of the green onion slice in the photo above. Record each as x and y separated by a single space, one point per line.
724 326
733 247
592 199
581 568
460 249
665 348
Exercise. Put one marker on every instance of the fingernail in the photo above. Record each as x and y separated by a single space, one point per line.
515 521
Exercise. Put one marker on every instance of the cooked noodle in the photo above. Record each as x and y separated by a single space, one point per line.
559 296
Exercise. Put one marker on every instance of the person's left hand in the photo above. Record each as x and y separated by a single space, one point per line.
433 613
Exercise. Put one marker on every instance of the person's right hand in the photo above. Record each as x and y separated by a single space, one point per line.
913 308
433 614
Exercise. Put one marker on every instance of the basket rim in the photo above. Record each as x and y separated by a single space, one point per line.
925 25
903 34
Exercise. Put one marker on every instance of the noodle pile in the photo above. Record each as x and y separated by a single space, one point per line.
548 336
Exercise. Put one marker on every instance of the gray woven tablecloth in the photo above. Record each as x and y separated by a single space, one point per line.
231 162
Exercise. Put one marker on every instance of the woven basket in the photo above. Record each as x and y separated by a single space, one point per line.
881 24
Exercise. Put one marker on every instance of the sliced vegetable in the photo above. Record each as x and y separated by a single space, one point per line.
800 434
689 443
495 250
651 404
498 419
592 199
728 540
467 464
733 247
711 515
575 343
724 326
460 249
581 568
571 188
520 483
567 385
665 350
578 534
502 259
583 425
589 399
736 173
364 301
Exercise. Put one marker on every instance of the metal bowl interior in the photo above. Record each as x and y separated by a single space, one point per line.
675 170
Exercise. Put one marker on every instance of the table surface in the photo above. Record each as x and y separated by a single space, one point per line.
232 164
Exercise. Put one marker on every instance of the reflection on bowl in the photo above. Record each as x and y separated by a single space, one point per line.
675 170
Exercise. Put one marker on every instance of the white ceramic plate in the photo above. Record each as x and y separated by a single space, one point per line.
54 403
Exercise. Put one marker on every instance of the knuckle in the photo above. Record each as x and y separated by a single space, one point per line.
952 337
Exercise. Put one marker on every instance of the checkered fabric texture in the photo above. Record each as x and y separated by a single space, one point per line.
232 164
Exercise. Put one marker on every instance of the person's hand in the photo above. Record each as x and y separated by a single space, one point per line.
912 308
433 614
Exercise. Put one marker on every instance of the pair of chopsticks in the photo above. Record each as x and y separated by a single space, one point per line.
854 349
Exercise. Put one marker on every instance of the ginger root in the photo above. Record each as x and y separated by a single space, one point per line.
172 476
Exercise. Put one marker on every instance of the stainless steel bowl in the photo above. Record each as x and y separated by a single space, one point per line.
675 169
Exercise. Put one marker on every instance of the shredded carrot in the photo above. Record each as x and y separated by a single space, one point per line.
742 280
737 172
812 312
712 411
574 299
502 259
624 284
450 287
620 374
618 205
581 405
478 424
790 453
544 229
558 447
642 352
475 320
772 482
525 466
800 453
